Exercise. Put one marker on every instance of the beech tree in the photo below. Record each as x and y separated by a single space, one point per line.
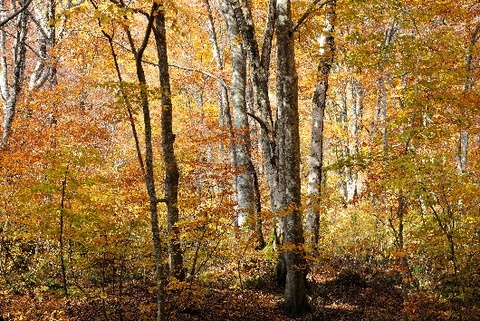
327 53
113 149
242 163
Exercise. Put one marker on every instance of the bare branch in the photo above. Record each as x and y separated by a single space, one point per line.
206 73
259 121
16 13
308 12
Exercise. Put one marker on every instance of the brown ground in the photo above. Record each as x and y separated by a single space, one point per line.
346 295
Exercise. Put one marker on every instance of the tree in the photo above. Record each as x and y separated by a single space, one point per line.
147 163
242 163
11 81
288 151
170 161
327 53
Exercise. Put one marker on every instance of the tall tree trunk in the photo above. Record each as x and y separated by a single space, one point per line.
327 52
260 69
288 151
223 106
168 138
355 114
244 184
10 91
463 135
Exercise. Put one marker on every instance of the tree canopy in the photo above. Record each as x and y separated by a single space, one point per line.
241 160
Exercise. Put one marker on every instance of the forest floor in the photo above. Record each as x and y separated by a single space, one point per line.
335 293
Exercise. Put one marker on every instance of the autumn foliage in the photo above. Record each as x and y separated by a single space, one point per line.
399 203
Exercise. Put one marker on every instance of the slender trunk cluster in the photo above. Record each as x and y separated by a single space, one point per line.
156 24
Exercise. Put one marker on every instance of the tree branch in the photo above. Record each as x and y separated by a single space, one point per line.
206 73
308 12
16 13
260 122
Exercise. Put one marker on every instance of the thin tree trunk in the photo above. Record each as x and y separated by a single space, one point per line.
327 52
223 106
61 235
148 163
463 135
168 138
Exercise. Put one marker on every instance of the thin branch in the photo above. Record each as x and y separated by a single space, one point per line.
260 122
206 73
16 13
308 12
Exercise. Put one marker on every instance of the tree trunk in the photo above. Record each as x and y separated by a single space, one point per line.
149 173
44 17
327 52
260 69
288 151
463 135
168 138
244 184
11 91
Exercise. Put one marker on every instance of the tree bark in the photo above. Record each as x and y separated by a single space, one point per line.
168 138
260 70
327 53
244 177
10 90
44 17
463 135
288 151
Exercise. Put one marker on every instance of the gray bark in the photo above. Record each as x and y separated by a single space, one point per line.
355 114
260 62
380 117
43 16
327 52
170 162
149 176
288 155
11 82
223 106
350 105
244 184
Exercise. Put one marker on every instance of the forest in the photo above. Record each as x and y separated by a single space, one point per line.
239 160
